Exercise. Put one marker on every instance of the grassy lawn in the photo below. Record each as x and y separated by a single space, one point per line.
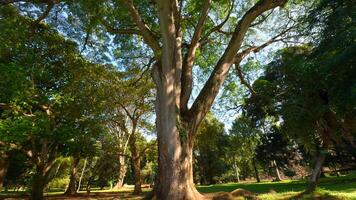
330 188
343 187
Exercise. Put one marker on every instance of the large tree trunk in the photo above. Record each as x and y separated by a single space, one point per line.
72 186
122 173
176 172
314 178
4 165
175 145
176 125
256 171
38 183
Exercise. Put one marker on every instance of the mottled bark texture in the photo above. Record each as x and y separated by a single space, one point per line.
176 123
122 173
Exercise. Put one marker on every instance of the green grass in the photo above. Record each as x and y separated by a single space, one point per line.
330 188
343 187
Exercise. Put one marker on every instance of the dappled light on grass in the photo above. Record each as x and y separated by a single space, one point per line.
332 188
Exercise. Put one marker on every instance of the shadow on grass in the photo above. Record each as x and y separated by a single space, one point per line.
263 187
291 189
313 196
78 196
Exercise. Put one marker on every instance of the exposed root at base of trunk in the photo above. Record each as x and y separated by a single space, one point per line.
189 194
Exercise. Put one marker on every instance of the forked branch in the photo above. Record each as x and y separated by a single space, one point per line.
211 88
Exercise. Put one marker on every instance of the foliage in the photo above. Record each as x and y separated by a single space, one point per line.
209 151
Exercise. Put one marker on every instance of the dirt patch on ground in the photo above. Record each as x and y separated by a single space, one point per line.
91 196
234 195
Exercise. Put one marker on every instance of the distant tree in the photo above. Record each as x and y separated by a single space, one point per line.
244 138
43 111
209 151
312 89
178 36
132 99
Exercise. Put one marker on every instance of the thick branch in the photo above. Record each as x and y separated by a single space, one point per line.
147 34
207 95
186 79
240 56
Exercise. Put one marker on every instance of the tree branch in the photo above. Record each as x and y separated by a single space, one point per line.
113 30
218 27
243 80
186 78
50 5
240 56
211 88
263 18
147 34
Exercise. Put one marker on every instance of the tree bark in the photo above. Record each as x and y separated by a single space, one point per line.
81 175
4 164
176 126
122 172
176 172
38 183
136 164
256 171
175 145
237 174
278 175
314 178
72 186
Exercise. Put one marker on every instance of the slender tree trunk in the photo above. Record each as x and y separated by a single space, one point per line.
122 173
72 186
81 175
237 174
4 165
278 175
88 185
38 184
136 165
256 171
314 178
136 162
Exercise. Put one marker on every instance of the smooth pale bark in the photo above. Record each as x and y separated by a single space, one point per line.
237 174
81 175
278 175
4 165
176 125
314 178
72 186
122 172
